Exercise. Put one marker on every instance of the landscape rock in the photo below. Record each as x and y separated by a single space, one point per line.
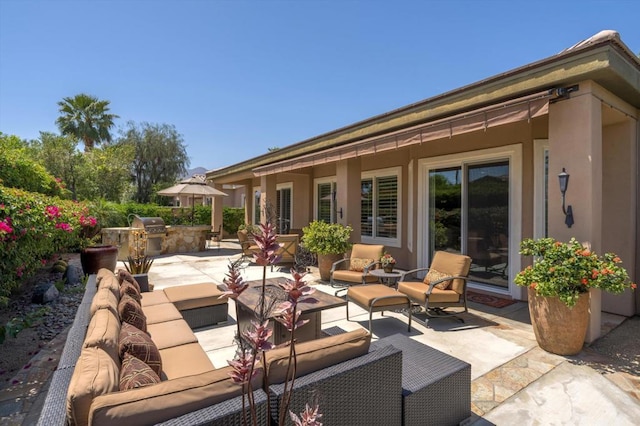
45 293
73 275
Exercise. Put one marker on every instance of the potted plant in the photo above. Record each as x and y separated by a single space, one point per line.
387 262
558 284
93 256
138 264
330 241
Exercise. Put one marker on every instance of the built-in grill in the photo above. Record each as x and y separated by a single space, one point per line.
156 231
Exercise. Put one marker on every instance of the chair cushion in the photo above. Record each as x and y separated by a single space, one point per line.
417 292
452 264
129 289
367 251
131 312
103 332
162 312
103 272
139 344
357 264
95 374
317 354
435 275
111 282
352 276
171 333
136 374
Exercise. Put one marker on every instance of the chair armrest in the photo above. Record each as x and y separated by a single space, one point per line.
412 272
335 264
370 266
453 277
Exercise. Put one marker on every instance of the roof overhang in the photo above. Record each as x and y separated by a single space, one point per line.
608 62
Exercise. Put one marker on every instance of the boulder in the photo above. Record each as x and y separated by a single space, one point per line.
45 293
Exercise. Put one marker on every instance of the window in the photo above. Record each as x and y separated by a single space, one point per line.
283 208
380 207
325 200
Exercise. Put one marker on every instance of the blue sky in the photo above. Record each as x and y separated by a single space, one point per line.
238 77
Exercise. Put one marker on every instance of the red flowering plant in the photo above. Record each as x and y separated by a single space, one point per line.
565 270
253 343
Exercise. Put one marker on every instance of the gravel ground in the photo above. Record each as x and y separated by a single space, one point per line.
16 353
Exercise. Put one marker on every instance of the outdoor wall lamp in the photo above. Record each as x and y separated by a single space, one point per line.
563 178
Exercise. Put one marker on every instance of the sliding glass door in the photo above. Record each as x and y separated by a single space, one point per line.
468 212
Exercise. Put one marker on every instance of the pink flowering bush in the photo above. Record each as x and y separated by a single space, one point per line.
34 227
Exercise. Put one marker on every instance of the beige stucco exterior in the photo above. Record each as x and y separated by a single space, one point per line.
592 132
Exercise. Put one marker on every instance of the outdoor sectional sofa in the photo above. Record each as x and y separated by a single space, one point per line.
354 382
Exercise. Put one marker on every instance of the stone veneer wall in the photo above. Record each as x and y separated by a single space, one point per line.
185 239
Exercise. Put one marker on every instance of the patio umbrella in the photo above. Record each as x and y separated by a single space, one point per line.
192 186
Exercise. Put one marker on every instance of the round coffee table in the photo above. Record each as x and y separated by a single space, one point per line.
388 278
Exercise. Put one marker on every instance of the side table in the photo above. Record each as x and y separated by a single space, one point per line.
388 278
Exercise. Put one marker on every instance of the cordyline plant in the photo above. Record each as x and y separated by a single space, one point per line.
565 270
253 343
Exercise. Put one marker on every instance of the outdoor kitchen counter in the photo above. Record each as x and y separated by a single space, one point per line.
185 239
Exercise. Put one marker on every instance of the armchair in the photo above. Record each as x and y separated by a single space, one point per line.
247 244
355 269
444 286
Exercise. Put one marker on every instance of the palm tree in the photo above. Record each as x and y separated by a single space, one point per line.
86 118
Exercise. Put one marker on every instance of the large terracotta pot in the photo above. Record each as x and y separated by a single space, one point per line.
96 257
559 329
324 264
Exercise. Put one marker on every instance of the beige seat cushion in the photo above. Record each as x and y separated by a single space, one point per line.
173 361
104 299
416 292
171 333
95 374
103 272
153 298
317 354
166 400
103 332
193 296
352 276
162 312
364 295
367 251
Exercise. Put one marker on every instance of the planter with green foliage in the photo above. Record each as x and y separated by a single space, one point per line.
329 241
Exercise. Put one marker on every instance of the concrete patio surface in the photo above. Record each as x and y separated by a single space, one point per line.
514 382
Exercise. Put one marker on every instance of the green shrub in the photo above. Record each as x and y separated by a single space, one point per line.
232 218
326 238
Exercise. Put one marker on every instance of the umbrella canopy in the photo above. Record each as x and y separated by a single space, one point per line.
192 186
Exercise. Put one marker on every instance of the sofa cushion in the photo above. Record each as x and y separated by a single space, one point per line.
150 298
317 354
103 272
162 312
435 275
103 332
130 290
174 365
171 333
138 343
95 374
193 296
124 275
168 399
358 264
136 374
104 299
110 282
131 312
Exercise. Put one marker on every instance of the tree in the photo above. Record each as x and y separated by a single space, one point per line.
87 119
58 154
160 157
106 173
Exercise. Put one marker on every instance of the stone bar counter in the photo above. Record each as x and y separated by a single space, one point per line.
178 239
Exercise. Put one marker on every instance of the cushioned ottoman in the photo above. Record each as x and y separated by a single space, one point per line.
377 298
199 304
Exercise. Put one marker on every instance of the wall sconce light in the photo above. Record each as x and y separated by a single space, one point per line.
563 178
340 212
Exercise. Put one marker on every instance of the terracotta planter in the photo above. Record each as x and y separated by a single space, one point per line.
324 264
96 257
559 329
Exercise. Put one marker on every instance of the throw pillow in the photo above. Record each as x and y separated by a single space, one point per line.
124 275
358 264
138 343
128 288
131 312
434 275
136 374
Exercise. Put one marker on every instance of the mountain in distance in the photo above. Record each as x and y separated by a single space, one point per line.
195 171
